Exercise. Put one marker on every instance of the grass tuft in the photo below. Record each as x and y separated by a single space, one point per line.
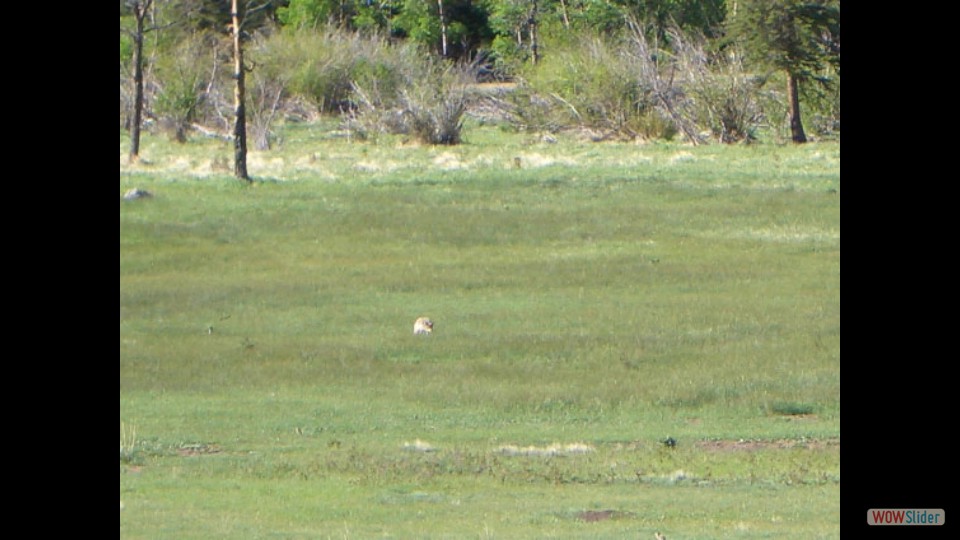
792 408
128 444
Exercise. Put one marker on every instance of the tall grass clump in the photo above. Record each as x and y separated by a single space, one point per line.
128 443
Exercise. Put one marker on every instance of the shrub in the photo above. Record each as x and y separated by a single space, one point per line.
324 65
790 408
268 91
181 78
822 106
593 80
435 112
713 94
429 103
631 87
592 83
527 110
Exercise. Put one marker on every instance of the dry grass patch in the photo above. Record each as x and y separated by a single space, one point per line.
779 444
543 451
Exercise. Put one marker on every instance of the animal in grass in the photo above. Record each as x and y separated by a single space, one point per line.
136 193
422 327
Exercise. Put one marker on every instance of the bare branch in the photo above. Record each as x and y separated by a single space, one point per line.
248 11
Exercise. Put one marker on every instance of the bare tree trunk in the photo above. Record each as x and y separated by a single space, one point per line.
239 94
443 28
793 101
566 20
139 13
532 21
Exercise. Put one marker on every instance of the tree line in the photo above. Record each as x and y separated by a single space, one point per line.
692 68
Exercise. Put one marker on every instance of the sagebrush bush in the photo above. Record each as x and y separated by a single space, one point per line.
527 110
592 82
714 94
429 101
436 116
631 87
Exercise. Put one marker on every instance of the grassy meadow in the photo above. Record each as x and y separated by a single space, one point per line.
588 305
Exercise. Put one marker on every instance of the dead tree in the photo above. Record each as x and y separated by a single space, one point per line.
240 91
140 9
239 97
443 29
532 25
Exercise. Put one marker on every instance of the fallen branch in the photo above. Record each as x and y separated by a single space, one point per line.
212 133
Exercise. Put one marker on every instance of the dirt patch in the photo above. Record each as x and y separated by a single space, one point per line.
198 449
800 417
493 87
591 516
778 444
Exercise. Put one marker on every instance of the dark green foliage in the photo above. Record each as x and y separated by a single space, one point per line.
317 13
344 14
792 409
214 15
689 81
419 22
467 25
699 16
797 36
126 41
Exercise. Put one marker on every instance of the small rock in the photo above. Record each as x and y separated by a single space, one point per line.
136 193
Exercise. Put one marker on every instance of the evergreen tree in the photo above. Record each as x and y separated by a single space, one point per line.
797 37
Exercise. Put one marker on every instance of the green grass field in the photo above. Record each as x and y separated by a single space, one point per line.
588 305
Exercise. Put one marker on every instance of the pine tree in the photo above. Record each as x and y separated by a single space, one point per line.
798 37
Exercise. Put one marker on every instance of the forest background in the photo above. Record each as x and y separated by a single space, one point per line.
699 70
